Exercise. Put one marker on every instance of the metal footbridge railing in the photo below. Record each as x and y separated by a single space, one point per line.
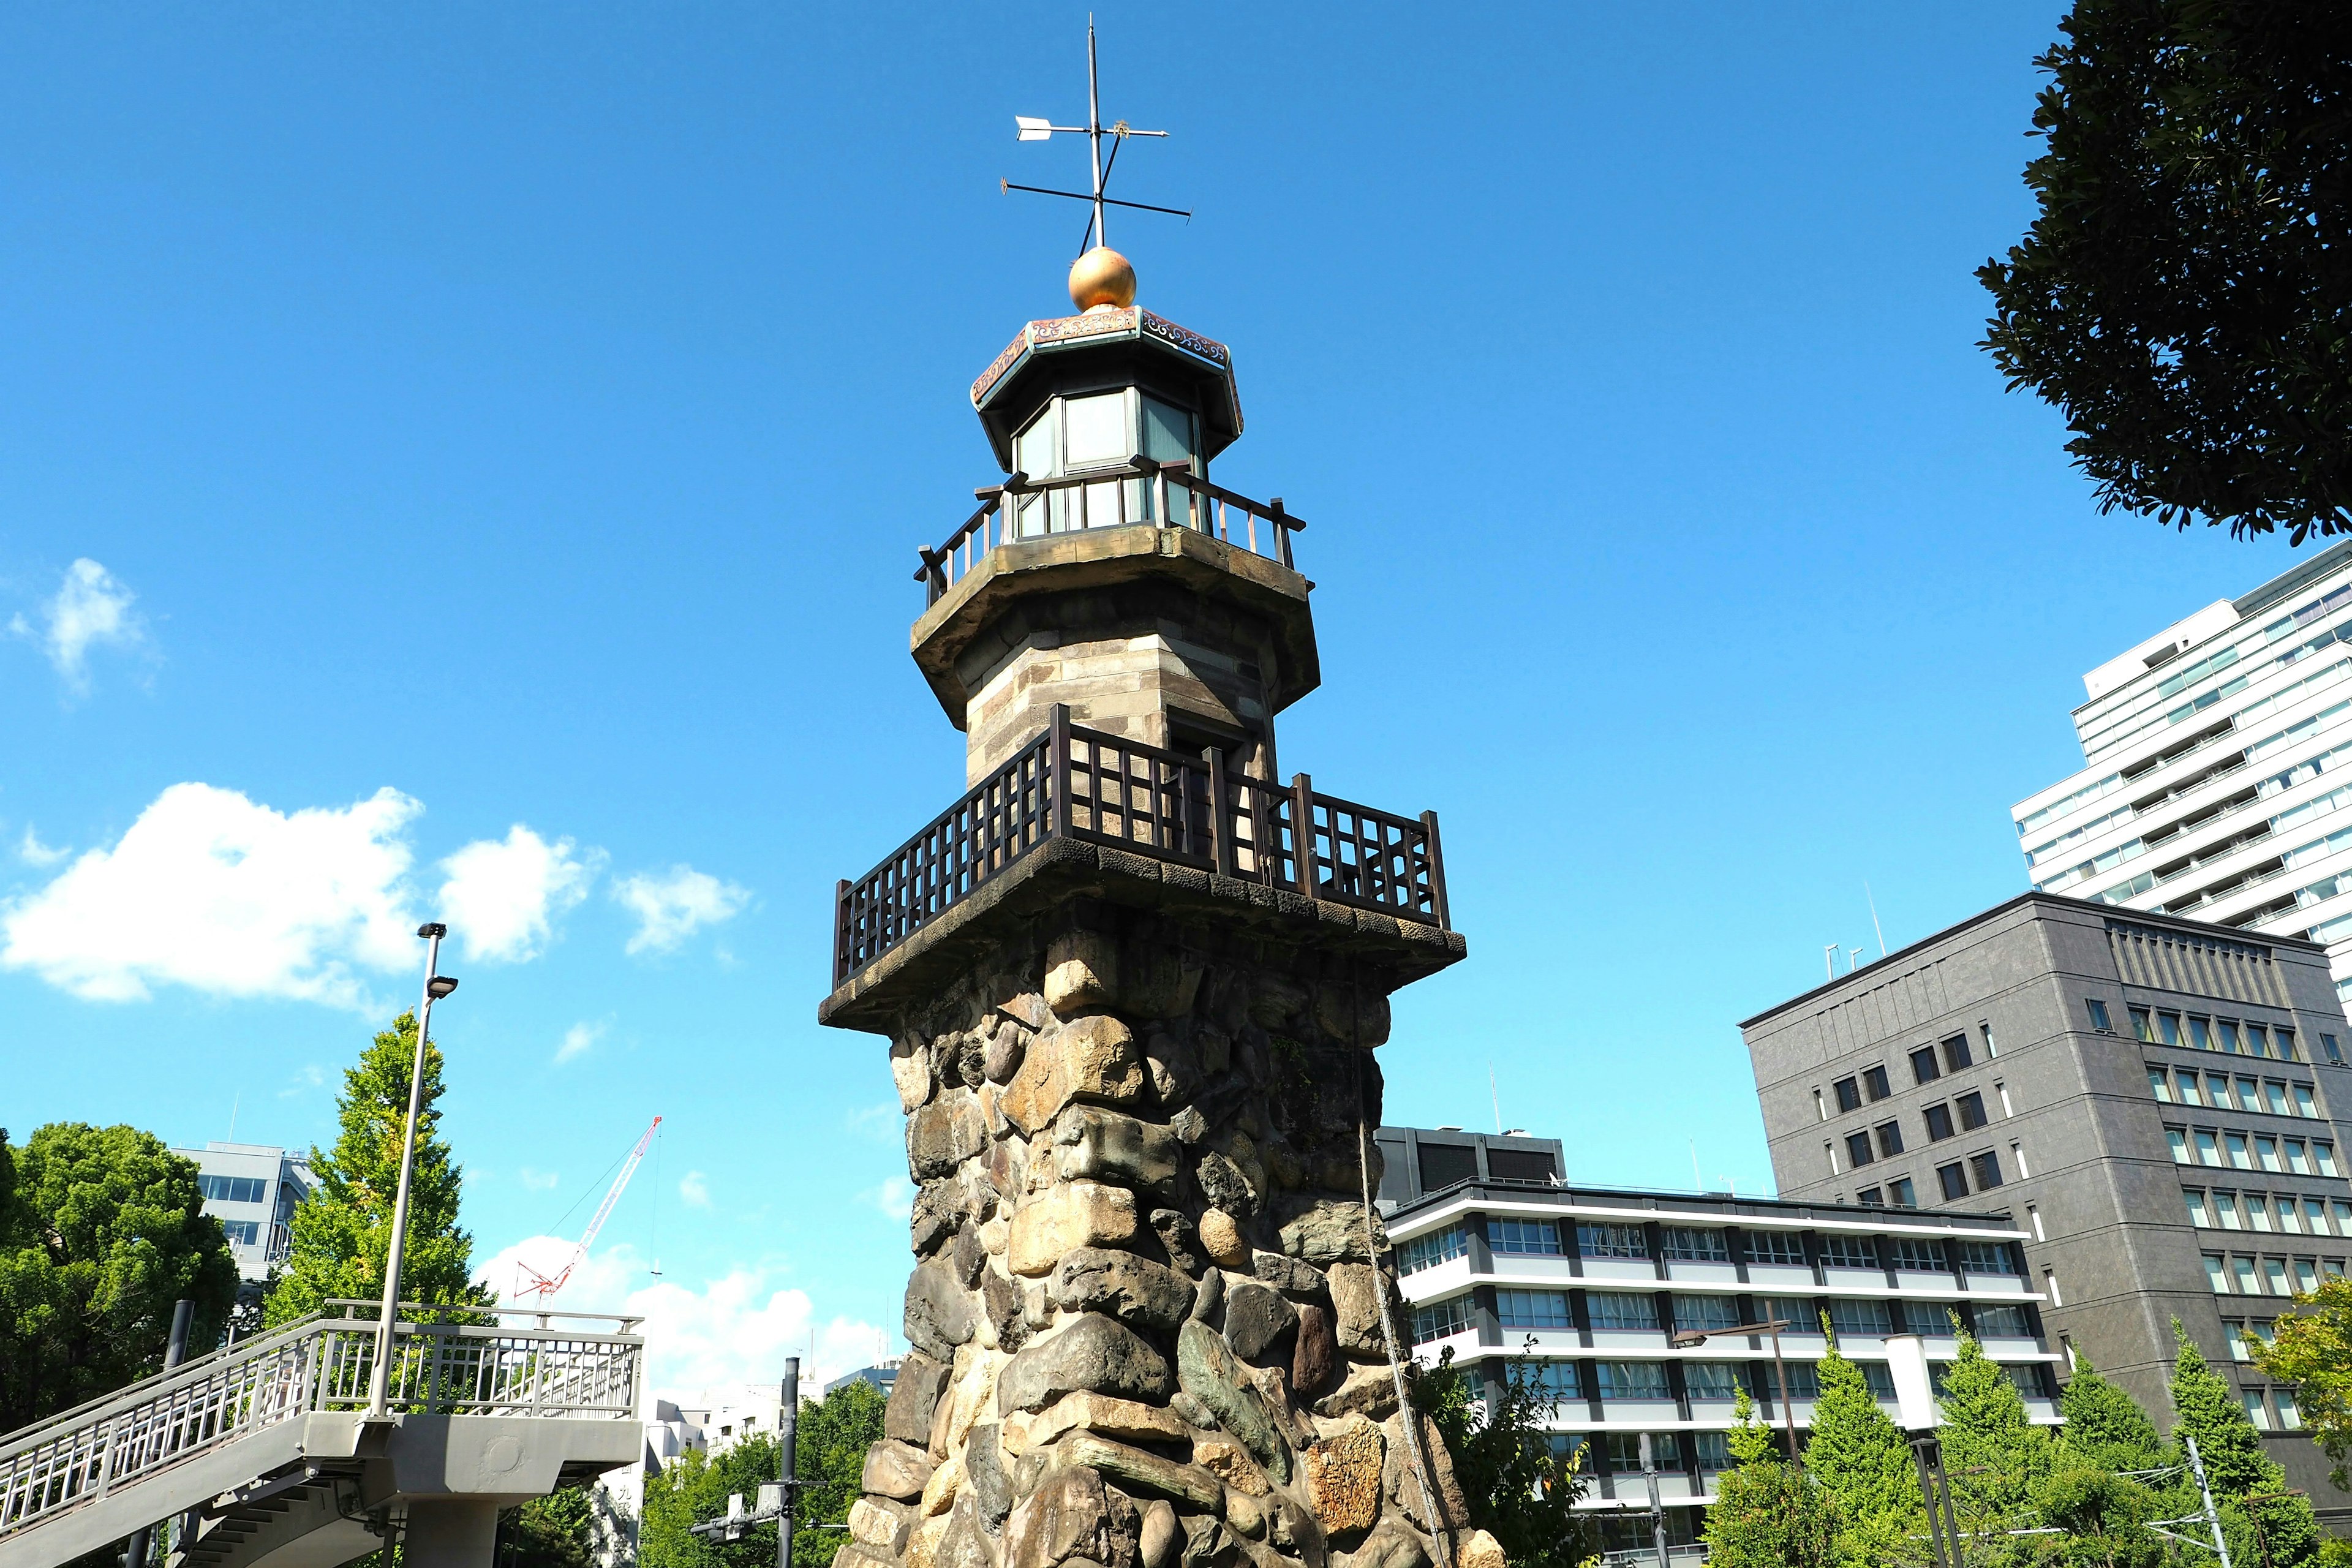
115 1456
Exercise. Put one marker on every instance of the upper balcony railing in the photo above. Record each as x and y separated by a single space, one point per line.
1080 784
1166 495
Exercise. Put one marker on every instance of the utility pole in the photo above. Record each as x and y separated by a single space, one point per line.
176 1351
788 1463
436 986
1657 1507
2212 1514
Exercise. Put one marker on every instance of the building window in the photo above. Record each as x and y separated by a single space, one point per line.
1711 1379
1857 1149
1692 1243
2200 1033
1621 1310
1612 1241
1439 1318
2143 1025
1971 1109
2050 1286
2256 1412
2297 1160
2306 1275
2099 1019
2209 1148
1712 1450
2225 1206
1939 1118
2286 1045
2274 1096
2002 1323
2216 1273
2247 1276
233 1189
1890 1138
1557 1379
2159 1084
2235 1331
1828 1152
2325 1154
2198 1214
1956 1053
1530 1238
1840 1250
2304 1104
2290 1416
1848 1094
1991 1050
1918 1254
1901 1193
2179 1138
1987 1257
2240 1157
1775 1246
243 1232
1984 1169
2217 1091
1706 1314
2230 1041
2167 1029
1955 1182
2266 1154
2274 1275
1631 1379
1533 1309
2002 1090
1922 1065
1804 1378
1863 1318
2258 1040
1429 1251
1874 1084
1871 1198
2334 1052
2017 1152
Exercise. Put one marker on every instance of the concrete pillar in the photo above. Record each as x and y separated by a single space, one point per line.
450 1532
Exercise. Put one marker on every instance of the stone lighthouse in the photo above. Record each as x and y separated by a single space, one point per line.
1133 983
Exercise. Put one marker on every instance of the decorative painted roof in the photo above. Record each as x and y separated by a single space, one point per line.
1133 322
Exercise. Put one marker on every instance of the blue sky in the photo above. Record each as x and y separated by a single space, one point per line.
532 411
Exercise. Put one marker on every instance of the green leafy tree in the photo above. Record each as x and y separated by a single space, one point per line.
557 1531
2106 1428
343 1231
1994 1456
1856 1455
103 1230
2183 295
2104 1515
1519 1489
829 1451
2312 1349
1767 1513
2242 1477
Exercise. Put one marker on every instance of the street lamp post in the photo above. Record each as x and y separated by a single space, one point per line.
1690 1337
436 986
1914 1402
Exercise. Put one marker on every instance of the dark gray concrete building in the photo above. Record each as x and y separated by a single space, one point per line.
1589 1290
2156 1102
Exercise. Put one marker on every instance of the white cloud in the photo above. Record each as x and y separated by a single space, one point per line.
578 1040
92 609
538 1181
882 1123
695 1190
211 890
672 905
33 852
305 1079
895 1198
732 1329
503 895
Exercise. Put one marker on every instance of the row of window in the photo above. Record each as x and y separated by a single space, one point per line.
2236 1274
2119 723
1979 1171
233 1189
243 1232
1944 1119
2185 1086
1629 1310
2252 1151
2232 1037
2332 760
1928 1063
1705 1243
2282 1212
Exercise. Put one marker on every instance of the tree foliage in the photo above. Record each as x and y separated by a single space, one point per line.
2235 1465
829 1450
1767 1513
343 1231
103 1230
2185 294
1520 1490
1994 1456
558 1530
2312 1349
1856 1455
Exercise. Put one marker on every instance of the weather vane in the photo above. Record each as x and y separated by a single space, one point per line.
1094 131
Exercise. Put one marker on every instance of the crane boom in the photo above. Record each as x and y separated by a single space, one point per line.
529 1281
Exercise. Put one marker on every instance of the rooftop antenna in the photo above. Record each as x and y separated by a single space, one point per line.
1852 959
1496 1095
1829 958
1028 129
1874 918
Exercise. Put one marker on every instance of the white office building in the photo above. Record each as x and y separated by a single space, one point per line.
2218 769
252 1189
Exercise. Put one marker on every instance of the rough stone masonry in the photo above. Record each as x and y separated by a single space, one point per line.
1146 1306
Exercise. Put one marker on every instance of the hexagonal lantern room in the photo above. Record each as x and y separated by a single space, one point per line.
1133 984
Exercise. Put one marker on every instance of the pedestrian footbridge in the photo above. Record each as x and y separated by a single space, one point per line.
263 1454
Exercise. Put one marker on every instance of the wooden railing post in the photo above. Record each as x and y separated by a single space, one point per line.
842 940
1057 770
1302 832
1281 533
1221 817
1436 872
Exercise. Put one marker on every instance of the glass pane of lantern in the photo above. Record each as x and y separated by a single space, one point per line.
1167 432
1093 431
1033 449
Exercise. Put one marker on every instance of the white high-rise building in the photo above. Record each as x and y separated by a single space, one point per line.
2218 769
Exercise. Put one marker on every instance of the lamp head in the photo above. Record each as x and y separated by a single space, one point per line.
440 985
432 928
1686 1338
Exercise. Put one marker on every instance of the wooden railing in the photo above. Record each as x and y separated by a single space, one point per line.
1074 783
1160 495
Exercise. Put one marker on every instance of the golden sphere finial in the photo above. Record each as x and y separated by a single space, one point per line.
1102 279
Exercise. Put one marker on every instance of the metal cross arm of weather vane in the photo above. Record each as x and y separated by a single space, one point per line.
1028 129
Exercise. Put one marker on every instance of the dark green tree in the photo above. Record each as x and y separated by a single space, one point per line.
101 1230
2185 295
2242 1477
830 1445
2106 1428
1767 1513
1993 1454
829 1448
557 1531
1856 1455
1519 1489
343 1231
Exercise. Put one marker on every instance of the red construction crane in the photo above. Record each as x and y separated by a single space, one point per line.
529 1281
